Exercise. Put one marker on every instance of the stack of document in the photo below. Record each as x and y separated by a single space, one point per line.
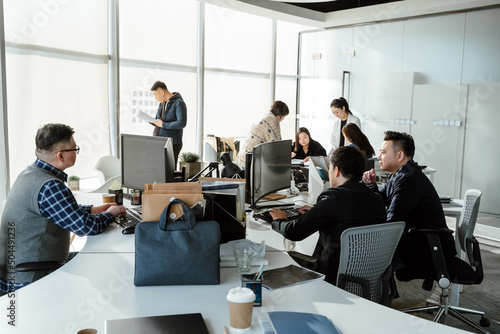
227 258
445 199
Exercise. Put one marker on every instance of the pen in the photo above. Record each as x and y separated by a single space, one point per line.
259 272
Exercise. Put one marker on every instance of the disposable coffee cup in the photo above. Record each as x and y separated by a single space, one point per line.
108 198
87 331
240 307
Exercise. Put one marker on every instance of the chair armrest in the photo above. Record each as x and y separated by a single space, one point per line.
365 284
304 260
431 230
302 257
435 248
474 257
37 266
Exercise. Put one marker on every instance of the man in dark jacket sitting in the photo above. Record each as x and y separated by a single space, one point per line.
410 197
348 203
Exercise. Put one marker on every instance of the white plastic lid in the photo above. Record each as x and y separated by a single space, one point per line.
240 295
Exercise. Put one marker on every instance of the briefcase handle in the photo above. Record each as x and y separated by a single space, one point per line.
185 223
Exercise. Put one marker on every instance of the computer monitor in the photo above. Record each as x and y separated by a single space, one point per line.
270 169
146 159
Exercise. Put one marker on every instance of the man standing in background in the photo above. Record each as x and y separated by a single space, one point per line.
171 117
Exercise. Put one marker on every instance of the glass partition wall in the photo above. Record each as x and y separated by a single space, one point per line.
434 77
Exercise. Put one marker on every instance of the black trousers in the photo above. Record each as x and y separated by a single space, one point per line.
177 150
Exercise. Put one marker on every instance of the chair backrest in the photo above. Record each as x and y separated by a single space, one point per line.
103 188
2 204
366 252
109 166
468 219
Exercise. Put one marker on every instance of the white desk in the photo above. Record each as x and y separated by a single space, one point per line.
98 285
95 287
258 230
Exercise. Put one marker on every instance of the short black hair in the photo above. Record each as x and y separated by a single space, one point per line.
159 84
279 108
401 142
49 135
350 162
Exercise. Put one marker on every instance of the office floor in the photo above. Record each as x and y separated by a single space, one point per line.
484 297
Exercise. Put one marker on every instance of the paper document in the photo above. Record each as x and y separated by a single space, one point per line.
145 117
289 275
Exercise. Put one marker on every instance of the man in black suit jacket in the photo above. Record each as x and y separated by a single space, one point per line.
348 203
410 197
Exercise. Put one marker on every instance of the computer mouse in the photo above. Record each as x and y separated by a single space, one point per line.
128 230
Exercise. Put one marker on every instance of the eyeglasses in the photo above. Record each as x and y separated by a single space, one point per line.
77 150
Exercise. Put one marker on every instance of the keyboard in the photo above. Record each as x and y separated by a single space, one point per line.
130 220
207 185
291 214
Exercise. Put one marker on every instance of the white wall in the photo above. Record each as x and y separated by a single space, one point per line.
442 67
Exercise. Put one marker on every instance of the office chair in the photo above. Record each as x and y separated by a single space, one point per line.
230 168
455 270
105 186
109 166
44 268
365 260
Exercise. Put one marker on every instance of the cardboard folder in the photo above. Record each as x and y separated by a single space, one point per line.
191 186
157 196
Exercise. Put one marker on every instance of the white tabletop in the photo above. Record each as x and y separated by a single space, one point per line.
97 285
93 288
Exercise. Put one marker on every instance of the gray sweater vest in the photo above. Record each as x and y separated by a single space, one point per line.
25 235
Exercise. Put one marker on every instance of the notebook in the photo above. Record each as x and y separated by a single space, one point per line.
289 275
192 323
301 323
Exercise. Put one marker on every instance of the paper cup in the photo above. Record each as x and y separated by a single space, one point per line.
108 198
240 307
87 331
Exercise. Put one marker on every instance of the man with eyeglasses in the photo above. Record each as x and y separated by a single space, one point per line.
41 211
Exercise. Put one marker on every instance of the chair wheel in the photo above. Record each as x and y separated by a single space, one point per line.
484 322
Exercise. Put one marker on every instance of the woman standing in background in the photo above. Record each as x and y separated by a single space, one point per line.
340 108
266 130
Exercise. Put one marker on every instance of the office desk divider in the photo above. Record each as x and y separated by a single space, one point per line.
318 175
226 206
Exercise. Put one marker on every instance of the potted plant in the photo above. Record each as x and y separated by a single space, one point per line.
192 162
74 182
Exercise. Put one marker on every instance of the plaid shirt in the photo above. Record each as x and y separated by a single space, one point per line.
57 204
